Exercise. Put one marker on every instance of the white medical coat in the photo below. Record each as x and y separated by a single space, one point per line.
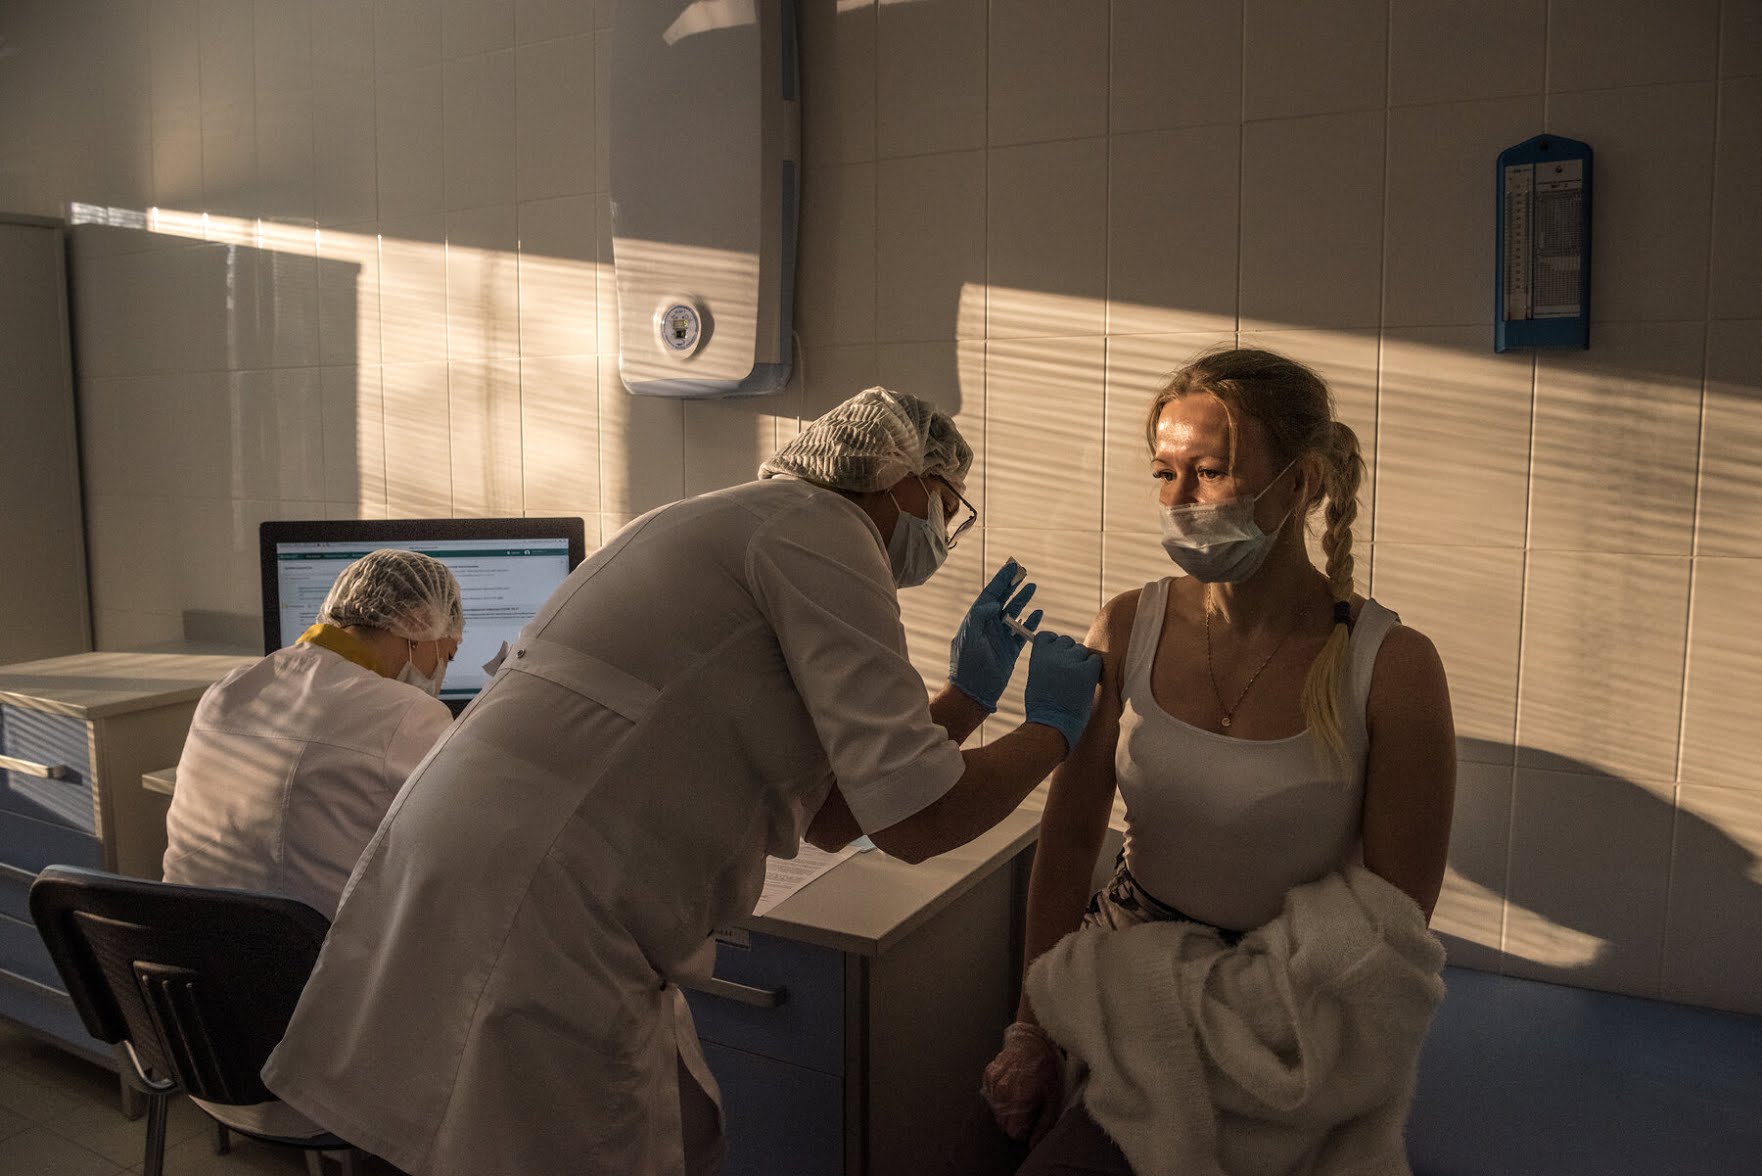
289 766
493 996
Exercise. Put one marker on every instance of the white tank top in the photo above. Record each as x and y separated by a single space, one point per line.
1220 828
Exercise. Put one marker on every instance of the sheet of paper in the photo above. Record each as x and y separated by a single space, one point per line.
785 876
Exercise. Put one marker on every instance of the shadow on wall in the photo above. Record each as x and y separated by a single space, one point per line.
1536 893
204 408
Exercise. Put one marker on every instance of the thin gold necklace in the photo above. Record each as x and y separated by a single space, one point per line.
1229 712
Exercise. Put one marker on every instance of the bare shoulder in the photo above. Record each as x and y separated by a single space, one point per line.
1113 624
1408 676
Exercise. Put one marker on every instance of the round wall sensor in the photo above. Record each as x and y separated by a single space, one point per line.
680 327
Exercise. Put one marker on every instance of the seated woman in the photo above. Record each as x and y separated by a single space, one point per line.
1266 727
291 762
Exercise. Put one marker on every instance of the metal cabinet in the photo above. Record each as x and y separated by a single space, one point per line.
76 734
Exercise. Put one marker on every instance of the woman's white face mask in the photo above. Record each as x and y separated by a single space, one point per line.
919 546
420 680
1219 542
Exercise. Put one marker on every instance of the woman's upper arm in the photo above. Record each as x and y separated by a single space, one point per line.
1080 796
1410 776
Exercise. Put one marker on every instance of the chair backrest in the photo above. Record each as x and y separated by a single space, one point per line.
199 982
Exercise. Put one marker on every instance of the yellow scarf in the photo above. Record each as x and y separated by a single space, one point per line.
342 643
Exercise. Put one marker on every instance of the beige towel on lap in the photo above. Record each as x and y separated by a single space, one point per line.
1292 1052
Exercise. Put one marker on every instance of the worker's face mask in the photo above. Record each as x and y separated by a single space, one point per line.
1219 542
420 680
919 546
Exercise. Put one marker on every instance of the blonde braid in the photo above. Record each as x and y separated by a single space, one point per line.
1327 675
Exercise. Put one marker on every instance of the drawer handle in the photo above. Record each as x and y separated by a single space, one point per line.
11 871
30 768
746 994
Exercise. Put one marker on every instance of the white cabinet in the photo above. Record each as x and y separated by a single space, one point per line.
76 735
43 605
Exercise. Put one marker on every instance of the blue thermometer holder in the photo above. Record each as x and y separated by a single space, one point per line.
1542 294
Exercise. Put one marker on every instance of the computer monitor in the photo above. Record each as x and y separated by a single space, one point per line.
506 568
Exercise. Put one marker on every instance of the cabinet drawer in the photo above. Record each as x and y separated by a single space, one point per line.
59 742
806 1025
23 953
26 846
782 1120
51 1013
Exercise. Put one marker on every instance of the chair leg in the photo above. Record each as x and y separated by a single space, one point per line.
222 1141
354 1162
314 1162
156 1108
134 1103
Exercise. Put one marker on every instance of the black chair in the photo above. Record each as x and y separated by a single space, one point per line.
196 985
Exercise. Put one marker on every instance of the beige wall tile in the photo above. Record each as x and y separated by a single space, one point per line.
559 447
1065 567
1314 58
835 284
932 612
1616 429
1047 71
413 289
1137 365
559 277
827 376
1600 678
1172 230
1596 44
1740 40
1046 237
1440 219
1469 601
930 245
1455 51
1470 915
1130 560
602 109
352 415
410 138
1713 937
1729 518
545 20
642 447
1453 439
554 105
1312 221
1175 64
483 285
725 441
484 436
175 81
418 458
606 284
1722 695
345 172
1654 151
348 295
952 377
277 435
282 73
1585 907
475 26
1737 210
1043 434
837 61
479 130
406 34
930 77
229 125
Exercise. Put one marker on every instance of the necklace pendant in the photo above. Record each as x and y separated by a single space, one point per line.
1226 722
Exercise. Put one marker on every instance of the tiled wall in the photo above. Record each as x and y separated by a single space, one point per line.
376 282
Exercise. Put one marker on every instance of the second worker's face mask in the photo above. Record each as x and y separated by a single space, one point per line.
919 546
1219 542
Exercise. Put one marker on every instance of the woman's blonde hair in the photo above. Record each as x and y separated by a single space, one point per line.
1295 406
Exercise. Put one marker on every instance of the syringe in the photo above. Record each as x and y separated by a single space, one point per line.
1022 631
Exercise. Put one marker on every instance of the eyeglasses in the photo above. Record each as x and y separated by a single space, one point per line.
966 523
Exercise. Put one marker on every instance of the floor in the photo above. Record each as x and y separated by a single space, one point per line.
61 1116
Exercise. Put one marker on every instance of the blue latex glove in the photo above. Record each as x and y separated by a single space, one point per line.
1061 685
983 654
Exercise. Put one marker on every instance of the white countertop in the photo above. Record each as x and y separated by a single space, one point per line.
96 685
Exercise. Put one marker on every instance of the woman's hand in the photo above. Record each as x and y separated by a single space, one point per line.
1024 1084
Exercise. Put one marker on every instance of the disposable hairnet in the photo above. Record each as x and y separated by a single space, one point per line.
406 593
872 441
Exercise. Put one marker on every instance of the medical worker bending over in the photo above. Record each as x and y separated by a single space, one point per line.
726 675
291 762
